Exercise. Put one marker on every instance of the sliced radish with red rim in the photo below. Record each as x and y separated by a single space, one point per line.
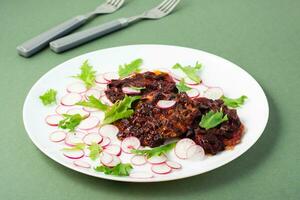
74 138
79 111
106 158
89 109
57 136
166 103
61 109
105 142
157 159
130 143
93 92
53 120
189 81
73 154
141 175
89 123
193 93
182 146
110 76
113 149
161 168
71 99
100 79
130 90
173 165
195 152
105 100
213 93
76 88
116 160
138 160
83 164
109 131
91 138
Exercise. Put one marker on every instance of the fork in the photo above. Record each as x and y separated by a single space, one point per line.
79 38
37 43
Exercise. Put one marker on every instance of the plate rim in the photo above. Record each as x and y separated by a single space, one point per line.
161 179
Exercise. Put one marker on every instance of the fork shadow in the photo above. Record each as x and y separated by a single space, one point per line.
241 168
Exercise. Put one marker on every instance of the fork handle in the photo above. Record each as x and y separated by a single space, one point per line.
37 43
79 38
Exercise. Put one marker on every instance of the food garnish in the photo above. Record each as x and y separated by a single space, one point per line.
182 87
234 103
191 72
87 75
93 102
130 68
212 119
70 122
157 151
95 150
118 170
49 97
78 146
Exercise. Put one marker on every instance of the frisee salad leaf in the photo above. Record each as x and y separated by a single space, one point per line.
212 119
49 97
70 122
120 110
157 151
182 87
95 150
93 102
87 74
78 146
234 103
119 170
191 72
130 68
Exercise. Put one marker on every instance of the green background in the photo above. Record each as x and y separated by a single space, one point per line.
263 36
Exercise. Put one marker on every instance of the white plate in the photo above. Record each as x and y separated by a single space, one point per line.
216 72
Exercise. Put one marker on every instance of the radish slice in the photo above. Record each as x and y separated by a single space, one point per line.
129 90
74 138
110 76
83 164
189 81
89 123
53 120
173 165
91 138
140 175
109 130
138 160
73 154
182 146
116 160
105 100
192 93
88 109
79 111
106 141
62 109
71 99
195 151
213 93
157 159
76 88
93 92
130 143
57 136
106 158
161 169
165 104
100 79
113 149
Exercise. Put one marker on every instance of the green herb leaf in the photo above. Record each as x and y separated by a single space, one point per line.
191 72
119 170
95 150
182 87
212 119
93 102
87 75
49 97
137 88
234 103
78 146
130 68
70 122
157 151
120 110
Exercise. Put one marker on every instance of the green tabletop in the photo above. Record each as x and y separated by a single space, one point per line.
263 36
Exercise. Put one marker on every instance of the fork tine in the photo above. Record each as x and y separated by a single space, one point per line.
172 6
163 4
109 1
164 8
119 2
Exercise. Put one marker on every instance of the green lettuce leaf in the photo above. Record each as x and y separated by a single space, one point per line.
157 151
212 119
234 103
182 87
49 97
130 68
119 170
191 72
70 122
88 75
93 102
